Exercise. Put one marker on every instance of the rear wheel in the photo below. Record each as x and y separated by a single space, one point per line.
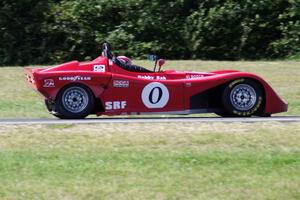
242 98
74 102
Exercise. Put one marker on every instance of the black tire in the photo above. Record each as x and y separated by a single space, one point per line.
74 102
51 108
48 105
224 114
242 98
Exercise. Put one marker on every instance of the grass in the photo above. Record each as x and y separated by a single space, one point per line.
143 161
151 161
18 100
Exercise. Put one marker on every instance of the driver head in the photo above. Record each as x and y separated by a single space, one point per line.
125 60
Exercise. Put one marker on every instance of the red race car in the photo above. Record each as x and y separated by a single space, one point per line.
112 85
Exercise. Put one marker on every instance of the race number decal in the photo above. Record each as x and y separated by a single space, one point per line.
155 95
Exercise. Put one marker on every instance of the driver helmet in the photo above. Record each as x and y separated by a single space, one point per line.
125 60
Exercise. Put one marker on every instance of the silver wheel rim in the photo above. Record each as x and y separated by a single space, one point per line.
75 99
243 97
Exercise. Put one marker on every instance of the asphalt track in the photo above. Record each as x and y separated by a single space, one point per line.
148 120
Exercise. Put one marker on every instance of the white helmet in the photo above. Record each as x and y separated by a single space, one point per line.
125 60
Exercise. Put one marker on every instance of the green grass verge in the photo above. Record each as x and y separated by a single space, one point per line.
146 161
18 100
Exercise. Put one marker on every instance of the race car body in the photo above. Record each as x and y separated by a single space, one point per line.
109 86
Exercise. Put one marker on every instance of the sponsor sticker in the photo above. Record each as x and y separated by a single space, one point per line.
48 83
120 83
188 84
75 78
99 68
194 76
115 105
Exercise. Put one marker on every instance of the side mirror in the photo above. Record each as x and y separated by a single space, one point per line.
161 62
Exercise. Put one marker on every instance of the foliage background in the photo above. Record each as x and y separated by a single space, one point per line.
49 31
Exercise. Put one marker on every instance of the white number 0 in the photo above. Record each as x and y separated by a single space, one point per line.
155 95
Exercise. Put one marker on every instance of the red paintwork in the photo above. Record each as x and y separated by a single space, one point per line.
181 85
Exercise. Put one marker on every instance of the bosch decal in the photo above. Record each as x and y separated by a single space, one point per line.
194 76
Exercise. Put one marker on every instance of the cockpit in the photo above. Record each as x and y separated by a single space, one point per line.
125 63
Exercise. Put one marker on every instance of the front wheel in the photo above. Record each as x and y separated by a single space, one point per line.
74 102
242 98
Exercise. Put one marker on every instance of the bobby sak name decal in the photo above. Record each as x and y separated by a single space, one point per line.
152 77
